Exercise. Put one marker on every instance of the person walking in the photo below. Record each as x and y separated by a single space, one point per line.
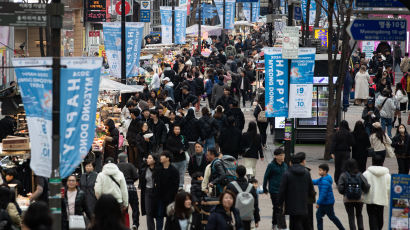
229 140
225 215
218 173
177 145
131 176
370 115
190 130
405 82
181 214
387 108
133 130
198 161
241 185
405 63
379 140
342 141
87 183
362 80
273 176
145 143
209 129
400 143
352 185
295 188
261 119
326 201
379 193
149 195
159 130
252 147
38 216
401 99
111 140
361 145
107 214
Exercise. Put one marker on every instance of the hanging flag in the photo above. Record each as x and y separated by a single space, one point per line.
246 9
36 85
112 41
276 83
229 13
166 24
180 25
255 11
220 10
301 84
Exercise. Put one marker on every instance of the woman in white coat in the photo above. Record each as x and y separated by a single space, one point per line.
401 100
362 80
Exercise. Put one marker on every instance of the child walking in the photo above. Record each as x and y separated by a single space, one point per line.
326 199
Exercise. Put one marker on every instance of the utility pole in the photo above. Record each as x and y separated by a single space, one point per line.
123 46
55 11
223 23
199 26
173 21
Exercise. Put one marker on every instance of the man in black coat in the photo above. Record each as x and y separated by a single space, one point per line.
159 130
230 139
243 183
198 161
131 176
133 129
226 101
295 189
218 172
238 116
167 180
187 97
87 182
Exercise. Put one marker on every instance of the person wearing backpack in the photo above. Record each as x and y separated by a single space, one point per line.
352 185
326 201
218 173
208 129
246 198
387 107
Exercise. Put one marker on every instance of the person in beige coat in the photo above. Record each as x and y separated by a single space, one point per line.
362 80
378 140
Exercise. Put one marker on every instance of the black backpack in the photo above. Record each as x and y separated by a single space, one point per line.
5 221
354 188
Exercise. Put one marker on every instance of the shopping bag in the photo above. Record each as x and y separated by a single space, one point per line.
76 222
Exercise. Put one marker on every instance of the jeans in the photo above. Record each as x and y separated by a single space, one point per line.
375 213
133 201
209 143
262 126
350 209
181 166
329 211
161 214
277 216
387 122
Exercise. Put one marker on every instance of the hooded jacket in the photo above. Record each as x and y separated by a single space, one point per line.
295 188
273 175
105 185
325 190
378 178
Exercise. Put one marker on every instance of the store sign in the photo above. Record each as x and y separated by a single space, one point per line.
112 42
145 12
96 16
78 107
96 11
94 33
290 42
78 102
276 83
322 34
180 25
399 202
166 24
301 84
96 5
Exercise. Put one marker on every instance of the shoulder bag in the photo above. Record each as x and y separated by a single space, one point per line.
262 115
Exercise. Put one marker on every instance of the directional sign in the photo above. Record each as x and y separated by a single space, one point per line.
20 8
24 20
379 3
378 29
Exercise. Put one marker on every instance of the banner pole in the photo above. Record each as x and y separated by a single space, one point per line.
123 45
56 10
199 26
173 21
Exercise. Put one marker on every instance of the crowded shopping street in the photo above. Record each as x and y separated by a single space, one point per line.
204 115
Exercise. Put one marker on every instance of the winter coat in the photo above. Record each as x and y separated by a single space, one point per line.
217 172
208 87
341 142
217 92
189 99
361 144
190 126
239 117
273 176
361 85
160 132
196 191
251 146
379 180
368 119
230 141
111 147
133 129
144 147
177 145
219 220
342 186
259 108
388 109
194 167
80 207
295 188
405 64
172 221
105 185
142 185
208 127
226 102
87 183
377 144
129 171
400 145
325 190
14 214
243 184
167 181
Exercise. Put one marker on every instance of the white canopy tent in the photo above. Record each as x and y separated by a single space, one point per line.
107 84
212 30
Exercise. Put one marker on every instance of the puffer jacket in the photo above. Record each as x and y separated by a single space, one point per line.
105 185
219 220
80 207
325 190
388 109
273 176
379 180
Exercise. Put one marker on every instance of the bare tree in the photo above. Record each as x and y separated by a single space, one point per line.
318 12
342 19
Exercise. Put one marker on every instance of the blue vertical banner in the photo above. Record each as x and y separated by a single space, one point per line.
301 84
112 42
36 85
255 11
180 24
312 14
399 208
246 9
219 10
166 24
276 83
78 106
229 13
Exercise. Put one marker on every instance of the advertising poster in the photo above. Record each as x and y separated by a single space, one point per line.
368 48
36 85
166 24
301 84
180 25
399 202
276 83
322 34
112 43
